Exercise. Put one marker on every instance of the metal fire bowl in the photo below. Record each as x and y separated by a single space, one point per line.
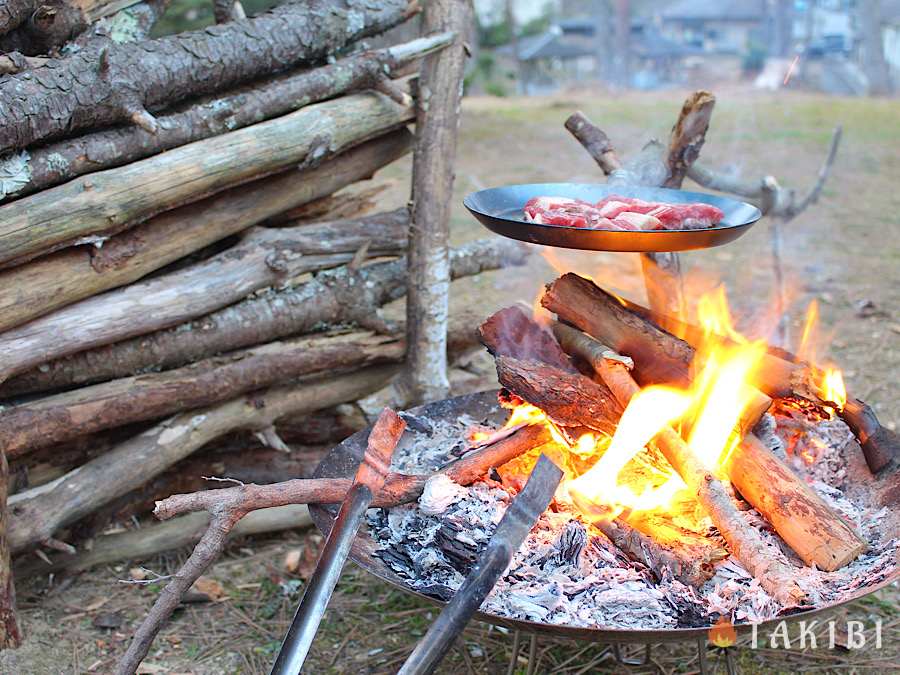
344 459
500 210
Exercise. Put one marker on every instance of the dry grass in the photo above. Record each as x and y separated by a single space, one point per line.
843 251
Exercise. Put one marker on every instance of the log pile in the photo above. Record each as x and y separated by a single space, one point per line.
187 263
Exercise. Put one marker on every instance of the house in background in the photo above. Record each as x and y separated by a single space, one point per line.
715 26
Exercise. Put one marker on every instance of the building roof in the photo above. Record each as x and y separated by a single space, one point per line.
551 44
715 10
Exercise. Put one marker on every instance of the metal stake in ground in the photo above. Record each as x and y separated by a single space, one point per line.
510 533
370 477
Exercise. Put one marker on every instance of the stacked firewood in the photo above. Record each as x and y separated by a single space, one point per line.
181 269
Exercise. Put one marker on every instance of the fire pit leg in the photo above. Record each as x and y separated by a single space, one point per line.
632 661
701 653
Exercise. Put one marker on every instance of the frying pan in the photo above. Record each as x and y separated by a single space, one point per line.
500 210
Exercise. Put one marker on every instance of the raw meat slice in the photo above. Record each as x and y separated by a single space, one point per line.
562 211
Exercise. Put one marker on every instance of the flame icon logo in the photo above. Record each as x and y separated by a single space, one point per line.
722 634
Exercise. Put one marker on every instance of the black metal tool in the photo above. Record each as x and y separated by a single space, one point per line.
517 522
500 210
370 477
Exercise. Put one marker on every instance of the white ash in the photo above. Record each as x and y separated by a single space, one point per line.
567 574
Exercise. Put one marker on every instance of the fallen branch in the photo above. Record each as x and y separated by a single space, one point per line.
109 201
229 505
158 73
67 159
337 296
64 277
264 257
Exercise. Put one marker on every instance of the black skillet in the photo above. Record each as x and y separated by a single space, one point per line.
500 210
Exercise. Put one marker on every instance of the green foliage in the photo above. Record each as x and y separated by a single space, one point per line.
495 89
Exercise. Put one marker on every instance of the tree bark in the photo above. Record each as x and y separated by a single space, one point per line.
338 296
437 121
74 93
37 514
688 136
872 36
107 202
61 161
13 13
264 257
59 418
57 280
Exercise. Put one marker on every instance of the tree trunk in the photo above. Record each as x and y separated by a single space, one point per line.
265 257
872 36
10 636
58 162
38 513
338 296
437 121
109 201
74 93
57 280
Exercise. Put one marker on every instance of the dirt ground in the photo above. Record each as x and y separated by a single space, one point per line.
844 252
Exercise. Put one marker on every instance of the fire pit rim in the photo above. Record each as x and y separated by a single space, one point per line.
343 459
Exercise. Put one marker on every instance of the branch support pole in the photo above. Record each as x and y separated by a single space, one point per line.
437 122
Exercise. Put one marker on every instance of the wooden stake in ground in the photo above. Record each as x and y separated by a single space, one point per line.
437 121
229 505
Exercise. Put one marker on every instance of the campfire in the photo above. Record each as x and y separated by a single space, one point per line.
700 486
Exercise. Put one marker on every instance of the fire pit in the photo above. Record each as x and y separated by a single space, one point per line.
607 573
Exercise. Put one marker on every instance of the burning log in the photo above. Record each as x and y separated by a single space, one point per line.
229 505
659 357
509 332
634 330
134 78
67 159
110 201
264 257
806 524
57 280
569 399
333 297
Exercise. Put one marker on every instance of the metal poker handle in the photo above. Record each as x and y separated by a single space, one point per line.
517 522
309 614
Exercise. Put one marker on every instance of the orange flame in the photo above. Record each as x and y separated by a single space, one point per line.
832 388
